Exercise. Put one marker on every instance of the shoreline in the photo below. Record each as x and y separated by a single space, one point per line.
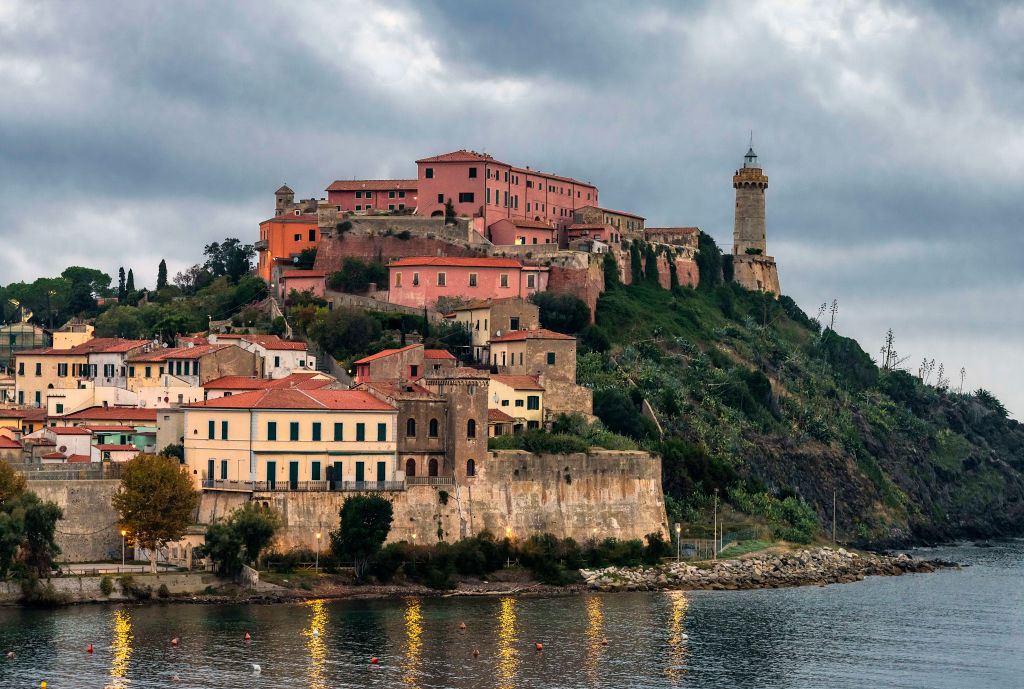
758 570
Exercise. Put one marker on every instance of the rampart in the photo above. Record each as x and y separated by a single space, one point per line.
88 531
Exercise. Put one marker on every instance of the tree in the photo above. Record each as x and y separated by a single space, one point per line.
307 258
365 524
120 321
27 527
12 483
636 266
562 313
651 266
129 285
709 262
449 212
229 258
193 279
256 526
122 288
161 275
156 501
224 546
611 271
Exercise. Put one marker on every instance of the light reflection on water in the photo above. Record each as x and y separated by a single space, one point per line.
949 629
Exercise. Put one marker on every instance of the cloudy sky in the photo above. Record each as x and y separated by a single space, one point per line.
891 134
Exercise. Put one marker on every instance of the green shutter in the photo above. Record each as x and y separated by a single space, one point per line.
293 430
224 430
338 436
382 432
316 430
271 430
314 471
211 429
360 432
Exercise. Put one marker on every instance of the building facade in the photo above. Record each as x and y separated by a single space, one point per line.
369 195
419 282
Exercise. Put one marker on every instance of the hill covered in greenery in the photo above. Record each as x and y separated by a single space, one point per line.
759 401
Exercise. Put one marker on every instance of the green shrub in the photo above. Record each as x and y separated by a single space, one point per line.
163 591
106 585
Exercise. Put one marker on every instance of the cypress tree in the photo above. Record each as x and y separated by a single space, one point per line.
161 275
122 291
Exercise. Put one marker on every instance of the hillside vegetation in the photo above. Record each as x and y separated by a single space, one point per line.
757 400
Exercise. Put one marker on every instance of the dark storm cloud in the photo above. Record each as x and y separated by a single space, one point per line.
890 132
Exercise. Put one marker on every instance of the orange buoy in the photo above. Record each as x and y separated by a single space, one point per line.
604 642
174 641
462 625
247 637
540 647
373 660
89 649
10 655
476 652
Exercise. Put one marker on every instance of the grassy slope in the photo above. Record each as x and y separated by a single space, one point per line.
908 462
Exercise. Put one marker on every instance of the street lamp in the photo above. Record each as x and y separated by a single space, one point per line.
714 542
679 530
123 534
317 552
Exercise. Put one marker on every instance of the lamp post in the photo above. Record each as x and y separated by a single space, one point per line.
679 530
317 552
714 542
123 534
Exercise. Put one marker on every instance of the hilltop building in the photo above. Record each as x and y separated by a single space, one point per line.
752 267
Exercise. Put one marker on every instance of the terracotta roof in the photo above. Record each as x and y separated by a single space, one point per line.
47 351
518 382
437 354
178 353
548 175
538 334
9 443
284 190
590 226
113 413
485 303
482 262
266 341
54 455
498 416
408 391
115 448
304 218
197 340
93 346
79 458
460 156
108 429
461 372
302 274
354 400
34 414
299 381
383 353
69 430
609 210
373 185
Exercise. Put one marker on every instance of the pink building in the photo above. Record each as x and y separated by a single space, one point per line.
509 231
481 187
314 281
373 194
599 231
419 282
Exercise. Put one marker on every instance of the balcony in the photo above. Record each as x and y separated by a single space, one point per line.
430 480
301 486
261 245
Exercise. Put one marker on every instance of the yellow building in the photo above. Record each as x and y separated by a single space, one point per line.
49 368
72 334
287 439
521 397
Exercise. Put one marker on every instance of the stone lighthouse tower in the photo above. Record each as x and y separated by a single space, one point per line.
752 267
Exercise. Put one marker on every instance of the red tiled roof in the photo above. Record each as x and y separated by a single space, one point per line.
461 372
69 430
79 458
54 455
304 218
383 353
110 429
354 400
93 346
609 210
299 381
115 448
539 334
590 226
405 391
460 156
518 382
373 184
498 416
482 262
9 443
113 413
548 175
178 353
266 341
197 340
302 274
437 354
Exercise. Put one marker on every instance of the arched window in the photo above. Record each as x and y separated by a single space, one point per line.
433 466
410 467
471 428
410 428
433 428
470 467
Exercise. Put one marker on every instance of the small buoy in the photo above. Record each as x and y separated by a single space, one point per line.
476 652
604 642
373 660
256 669
247 637
174 641
540 647
10 655
316 633
462 625
176 678
89 649
683 636
42 685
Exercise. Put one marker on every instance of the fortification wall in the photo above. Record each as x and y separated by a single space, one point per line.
756 272
332 250
89 530
617 493
687 273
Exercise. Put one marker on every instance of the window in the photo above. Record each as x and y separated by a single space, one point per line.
472 283
224 469
472 173
432 428
148 371
414 371
504 280
391 206
440 198
391 194
359 207
519 403
401 206
316 430
298 237
211 428
410 466
314 471
62 370
39 368
441 279
360 432
533 402
223 430
533 424
277 361
470 467
488 194
369 194
338 432
312 235
60 408
513 323
531 280
131 371
415 279
471 428
398 279
410 428
271 430
504 403
428 173
551 358
382 432
21 368
401 194
359 194
465 197
293 430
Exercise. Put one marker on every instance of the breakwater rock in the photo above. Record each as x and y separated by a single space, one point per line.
812 567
